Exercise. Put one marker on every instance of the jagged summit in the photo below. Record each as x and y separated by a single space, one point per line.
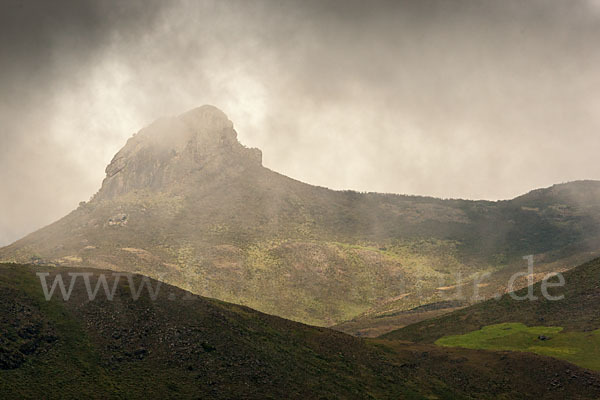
173 148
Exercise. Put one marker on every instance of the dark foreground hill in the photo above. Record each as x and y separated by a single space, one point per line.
177 345
183 201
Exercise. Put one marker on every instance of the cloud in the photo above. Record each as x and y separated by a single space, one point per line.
475 99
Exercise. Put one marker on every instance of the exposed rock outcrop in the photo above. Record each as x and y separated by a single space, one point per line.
169 150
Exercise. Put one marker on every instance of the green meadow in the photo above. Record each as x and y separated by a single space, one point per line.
580 348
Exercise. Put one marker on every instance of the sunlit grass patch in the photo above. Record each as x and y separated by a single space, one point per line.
581 348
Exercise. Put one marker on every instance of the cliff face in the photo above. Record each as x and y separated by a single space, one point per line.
171 149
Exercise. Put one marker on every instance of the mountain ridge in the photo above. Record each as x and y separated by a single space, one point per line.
184 201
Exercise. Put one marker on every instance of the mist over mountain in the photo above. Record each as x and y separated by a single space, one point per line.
183 201
467 99
385 199
167 153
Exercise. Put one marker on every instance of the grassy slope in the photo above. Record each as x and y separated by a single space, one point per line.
315 255
578 311
580 348
390 316
576 319
183 346
541 224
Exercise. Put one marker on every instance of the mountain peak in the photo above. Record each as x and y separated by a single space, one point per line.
205 117
169 150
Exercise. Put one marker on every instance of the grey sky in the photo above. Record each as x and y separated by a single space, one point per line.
471 99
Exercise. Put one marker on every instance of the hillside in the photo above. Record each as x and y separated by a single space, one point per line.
186 203
573 321
177 345
578 311
385 318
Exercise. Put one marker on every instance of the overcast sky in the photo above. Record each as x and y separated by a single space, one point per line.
469 99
